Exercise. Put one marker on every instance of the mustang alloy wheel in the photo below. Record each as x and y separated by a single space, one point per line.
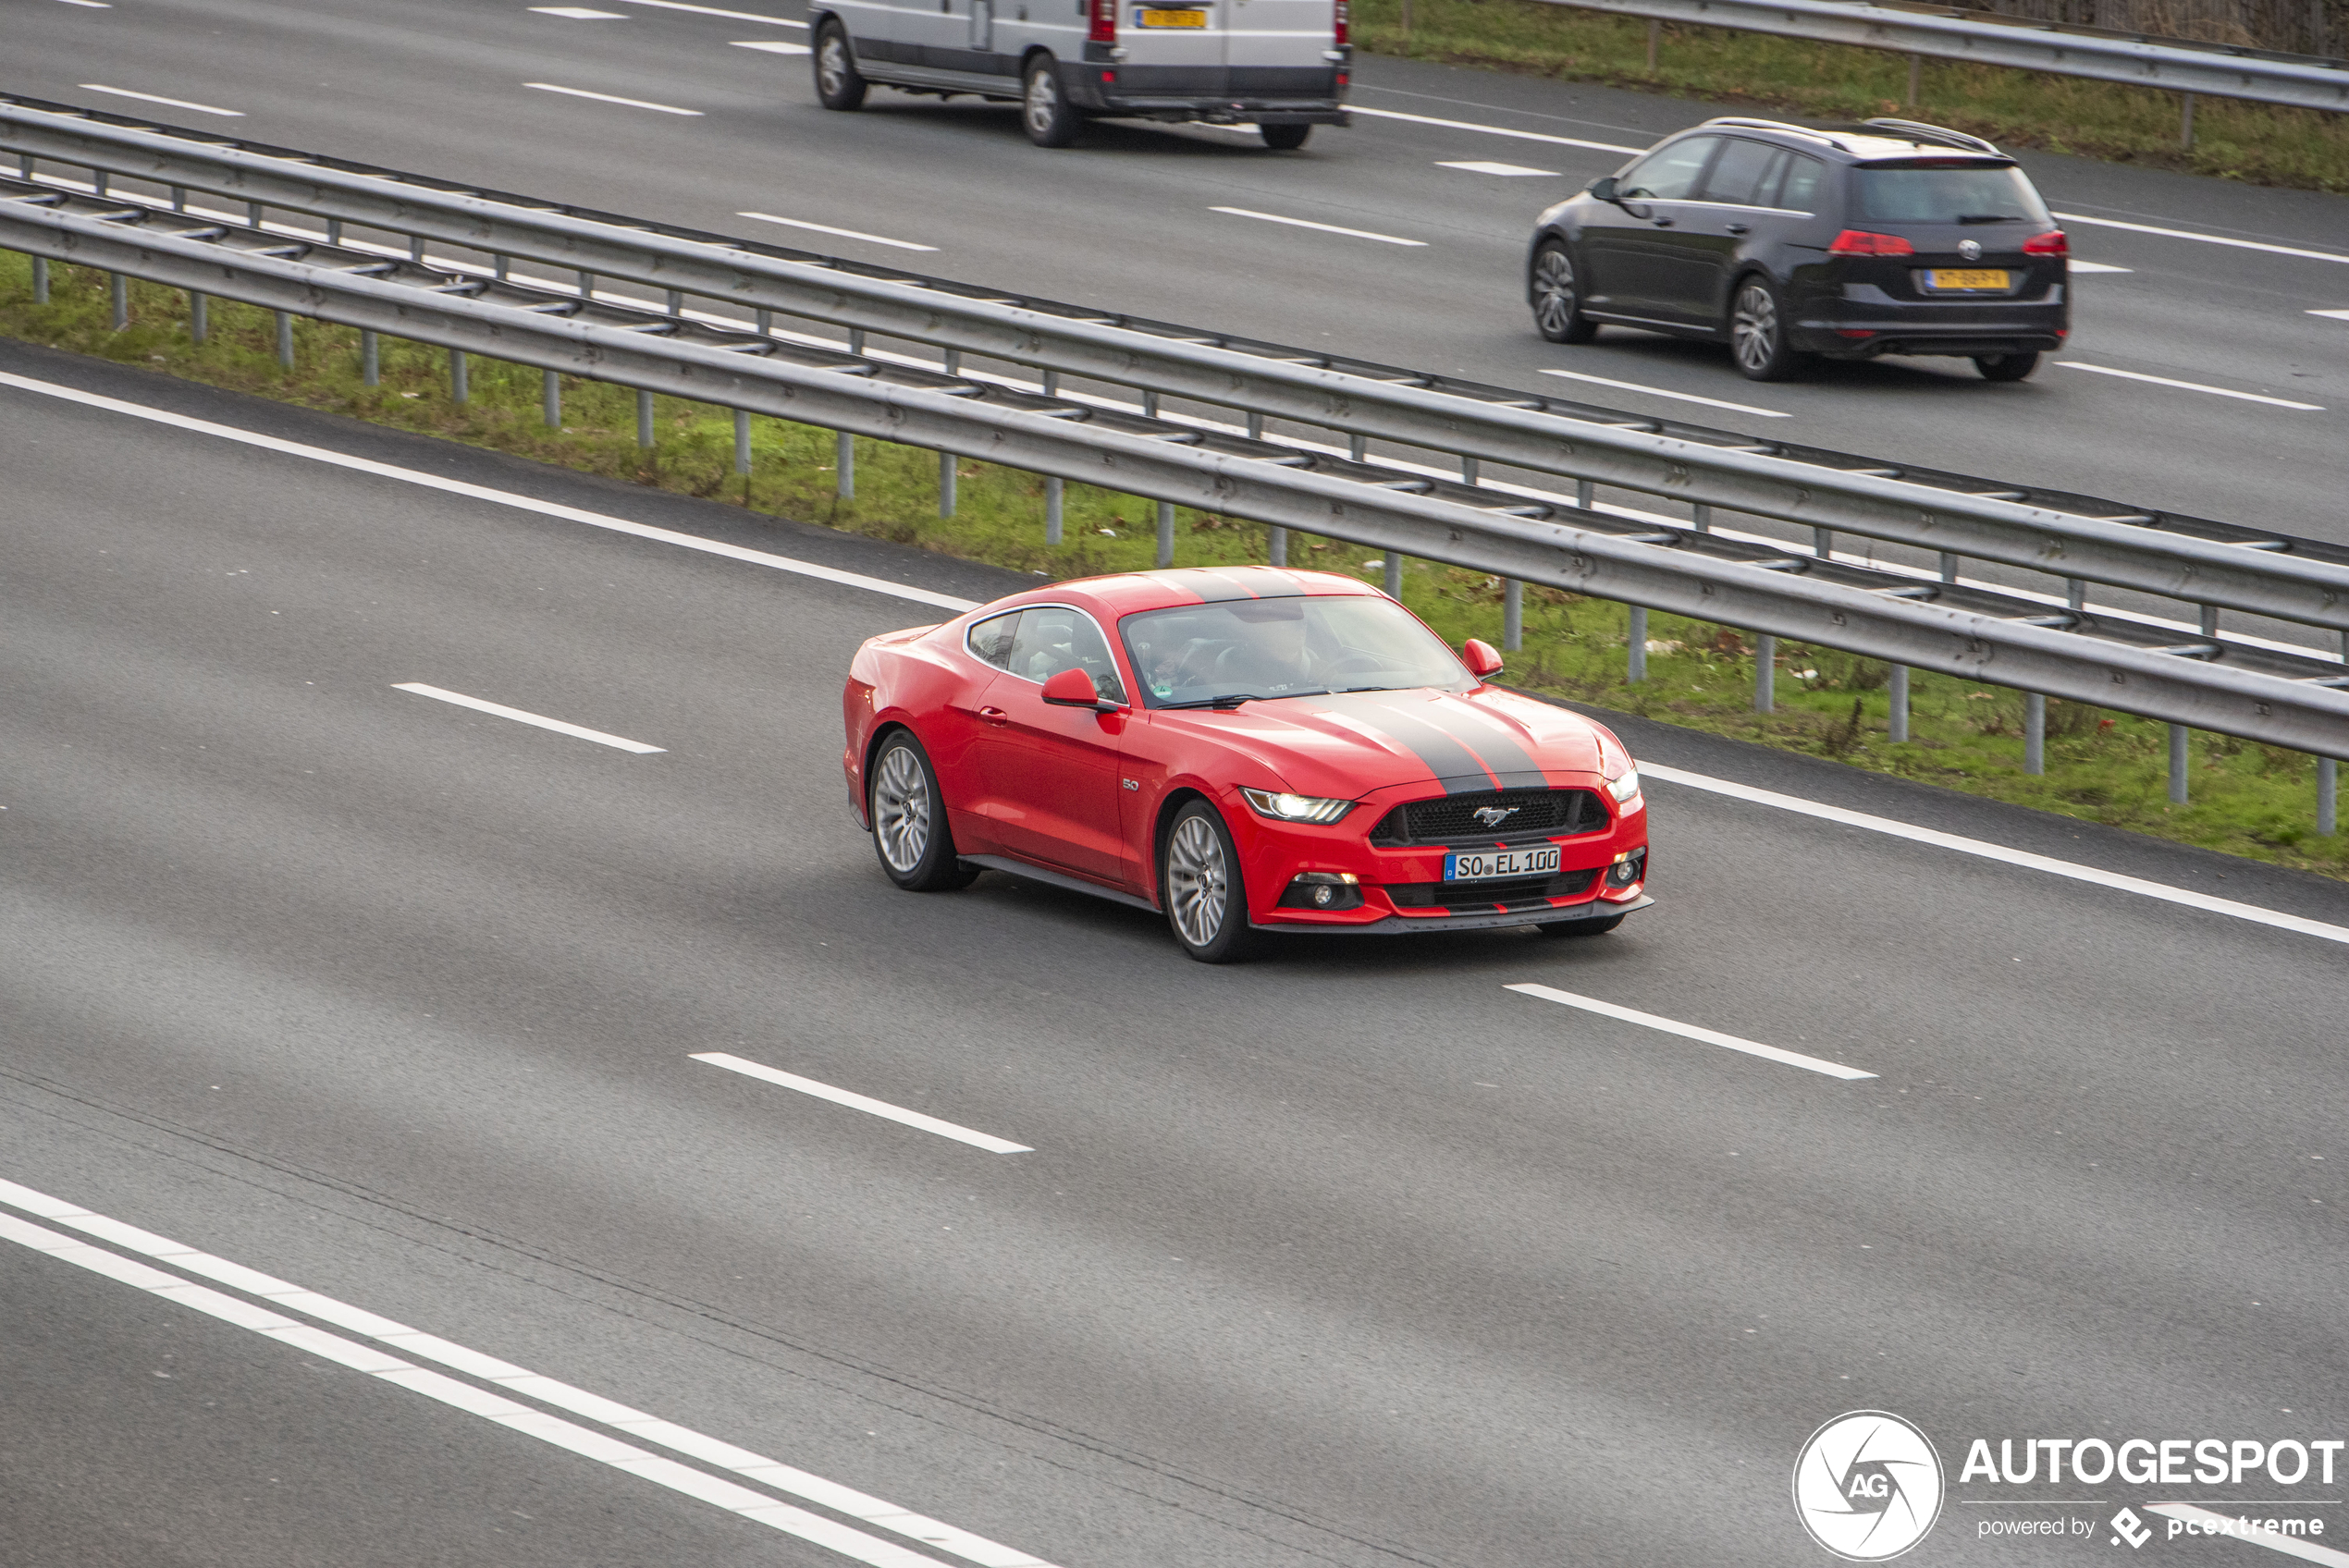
1205 902
909 821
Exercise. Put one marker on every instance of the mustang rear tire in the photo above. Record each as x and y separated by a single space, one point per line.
908 815
839 84
1200 885
1584 927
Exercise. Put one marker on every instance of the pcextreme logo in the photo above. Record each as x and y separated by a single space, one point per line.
1867 1486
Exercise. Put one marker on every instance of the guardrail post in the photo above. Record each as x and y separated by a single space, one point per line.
99 179
1278 554
764 320
1896 728
40 280
1583 490
1149 404
1512 614
1823 543
504 263
742 442
1635 660
1255 427
857 340
586 284
334 229
1051 384
199 317
2075 594
1052 511
252 209
1765 673
285 338
2177 764
1392 580
676 302
1949 567
415 245
1655 33
946 486
370 360
2328 791
644 419
844 465
2186 123
1467 470
2035 733
550 400
178 193
1700 519
1166 534
1916 70
954 367
458 393
118 296
1358 447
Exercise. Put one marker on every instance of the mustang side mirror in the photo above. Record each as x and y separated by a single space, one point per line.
1604 187
1074 689
1481 656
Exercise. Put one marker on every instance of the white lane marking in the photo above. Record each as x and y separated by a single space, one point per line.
865 1103
1511 171
777 1477
2079 266
168 103
558 725
94 4
2000 852
607 98
1490 129
843 233
579 14
2307 1552
2332 316
1324 227
714 11
495 498
1660 392
1690 1031
2192 386
772 46
2189 234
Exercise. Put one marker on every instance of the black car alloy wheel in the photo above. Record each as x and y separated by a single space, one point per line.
1557 298
1757 332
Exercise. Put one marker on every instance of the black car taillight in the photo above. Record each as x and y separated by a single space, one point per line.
2051 244
1105 23
1859 242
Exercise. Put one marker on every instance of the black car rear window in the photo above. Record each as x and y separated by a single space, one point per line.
1927 192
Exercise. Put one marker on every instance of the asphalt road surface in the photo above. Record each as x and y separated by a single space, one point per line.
1351 1256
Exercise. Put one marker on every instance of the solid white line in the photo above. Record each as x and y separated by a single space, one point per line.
844 233
1660 392
607 98
2307 1552
578 14
776 1476
1324 227
1490 129
862 1102
2000 852
1690 1031
1507 171
2332 316
777 47
94 4
557 724
495 498
2079 266
2192 386
714 11
151 98
2189 234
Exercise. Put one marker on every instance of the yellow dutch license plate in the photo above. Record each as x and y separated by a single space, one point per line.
1173 18
1965 278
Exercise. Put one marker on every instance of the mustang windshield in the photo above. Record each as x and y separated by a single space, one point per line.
1242 650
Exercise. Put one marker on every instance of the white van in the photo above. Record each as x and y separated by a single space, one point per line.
1281 64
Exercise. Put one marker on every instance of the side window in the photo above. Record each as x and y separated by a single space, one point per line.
1668 173
1800 191
1741 173
990 641
1052 639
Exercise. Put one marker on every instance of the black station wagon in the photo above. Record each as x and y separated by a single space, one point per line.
1787 242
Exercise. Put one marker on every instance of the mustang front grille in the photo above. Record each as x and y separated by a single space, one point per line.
1507 815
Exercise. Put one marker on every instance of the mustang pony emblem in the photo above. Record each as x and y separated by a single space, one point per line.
1492 816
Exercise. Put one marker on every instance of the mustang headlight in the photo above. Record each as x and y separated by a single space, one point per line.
1282 807
1626 788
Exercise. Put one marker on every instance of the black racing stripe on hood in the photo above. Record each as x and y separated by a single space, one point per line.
1452 764
1510 762
1212 587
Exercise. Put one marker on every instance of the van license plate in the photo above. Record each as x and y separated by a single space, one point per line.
1173 18
1964 279
1486 864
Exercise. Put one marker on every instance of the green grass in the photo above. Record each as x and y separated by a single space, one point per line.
2248 800
2255 142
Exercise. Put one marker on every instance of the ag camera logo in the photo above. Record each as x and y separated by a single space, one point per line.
1867 1486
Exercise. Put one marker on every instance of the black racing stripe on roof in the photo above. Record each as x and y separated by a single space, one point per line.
1212 587
1508 762
1454 765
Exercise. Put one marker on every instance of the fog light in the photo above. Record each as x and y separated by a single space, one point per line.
1323 889
1627 872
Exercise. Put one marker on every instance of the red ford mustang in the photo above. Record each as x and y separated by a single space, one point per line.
1248 749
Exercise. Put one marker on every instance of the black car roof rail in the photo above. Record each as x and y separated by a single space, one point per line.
1919 130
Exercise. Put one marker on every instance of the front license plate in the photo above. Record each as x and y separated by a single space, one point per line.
1965 279
1484 865
1173 18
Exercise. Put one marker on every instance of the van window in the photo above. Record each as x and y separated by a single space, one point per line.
1742 172
1959 193
1799 190
1669 174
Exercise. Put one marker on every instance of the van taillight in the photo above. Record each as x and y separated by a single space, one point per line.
1104 29
2051 244
1859 242
1339 26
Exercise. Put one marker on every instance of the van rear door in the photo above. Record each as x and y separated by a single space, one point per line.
1281 47
1174 46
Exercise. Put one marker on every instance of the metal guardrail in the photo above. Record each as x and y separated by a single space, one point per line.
2215 70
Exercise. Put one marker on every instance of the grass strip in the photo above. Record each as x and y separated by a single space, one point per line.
2259 144
2248 799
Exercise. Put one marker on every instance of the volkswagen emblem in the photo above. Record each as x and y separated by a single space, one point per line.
1970 249
1492 816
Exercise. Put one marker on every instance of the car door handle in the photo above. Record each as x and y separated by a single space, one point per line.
1664 223
994 716
1736 228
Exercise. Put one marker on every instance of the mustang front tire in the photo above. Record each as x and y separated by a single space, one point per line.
1200 885
909 820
